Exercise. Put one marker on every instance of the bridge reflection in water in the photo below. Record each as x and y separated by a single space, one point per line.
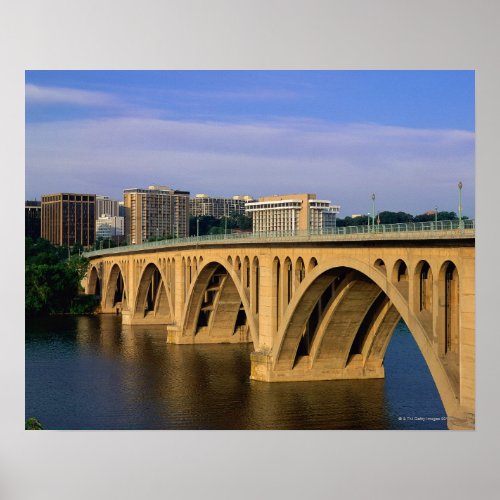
95 373
316 308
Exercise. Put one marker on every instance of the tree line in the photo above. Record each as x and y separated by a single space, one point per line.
387 217
52 279
207 224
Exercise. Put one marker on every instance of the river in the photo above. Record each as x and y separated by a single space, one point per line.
92 372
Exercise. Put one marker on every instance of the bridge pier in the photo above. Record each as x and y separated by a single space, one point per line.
176 336
262 369
465 422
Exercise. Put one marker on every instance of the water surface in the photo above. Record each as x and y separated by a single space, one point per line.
92 372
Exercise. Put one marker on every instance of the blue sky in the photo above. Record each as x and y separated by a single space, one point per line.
408 136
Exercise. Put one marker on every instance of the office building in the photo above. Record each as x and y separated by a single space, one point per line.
121 209
156 212
108 227
33 219
106 206
292 213
217 206
69 218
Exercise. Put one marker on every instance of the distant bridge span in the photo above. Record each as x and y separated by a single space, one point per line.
315 307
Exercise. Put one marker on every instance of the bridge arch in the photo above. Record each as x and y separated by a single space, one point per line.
380 265
448 314
300 272
356 283
423 287
399 271
152 295
94 283
215 300
255 282
116 288
246 271
237 266
312 264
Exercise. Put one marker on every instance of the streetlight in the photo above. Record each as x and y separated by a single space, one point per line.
435 218
460 204
197 227
373 212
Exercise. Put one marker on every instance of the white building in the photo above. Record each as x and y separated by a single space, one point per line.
218 206
106 206
292 213
107 226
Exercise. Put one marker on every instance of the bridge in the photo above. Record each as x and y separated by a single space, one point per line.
315 306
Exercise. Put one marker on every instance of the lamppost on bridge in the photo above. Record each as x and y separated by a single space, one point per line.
197 227
460 204
373 212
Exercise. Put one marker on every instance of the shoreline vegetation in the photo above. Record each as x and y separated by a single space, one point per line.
33 424
52 280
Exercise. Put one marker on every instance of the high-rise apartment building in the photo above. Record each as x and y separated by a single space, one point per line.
158 211
217 206
69 218
33 219
291 213
106 206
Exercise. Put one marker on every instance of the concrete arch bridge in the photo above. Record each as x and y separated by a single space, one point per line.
315 308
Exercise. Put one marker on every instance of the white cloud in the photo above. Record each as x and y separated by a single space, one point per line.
409 169
239 95
62 95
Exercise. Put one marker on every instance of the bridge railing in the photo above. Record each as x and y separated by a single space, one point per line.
408 230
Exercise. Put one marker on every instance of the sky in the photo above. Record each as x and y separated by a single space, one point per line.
407 136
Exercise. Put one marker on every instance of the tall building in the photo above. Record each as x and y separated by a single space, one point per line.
108 227
106 206
291 213
33 219
121 209
69 218
217 206
158 211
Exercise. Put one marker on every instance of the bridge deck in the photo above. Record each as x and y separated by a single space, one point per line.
383 233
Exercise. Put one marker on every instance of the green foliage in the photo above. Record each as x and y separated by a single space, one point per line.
83 304
161 238
32 424
211 225
101 242
52 280
387 217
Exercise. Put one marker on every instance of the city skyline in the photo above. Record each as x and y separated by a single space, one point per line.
339 134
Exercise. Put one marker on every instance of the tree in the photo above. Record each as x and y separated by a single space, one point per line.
206 224
387 217
32 424
52 281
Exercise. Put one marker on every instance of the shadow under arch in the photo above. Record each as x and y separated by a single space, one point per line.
152 294
93 283
396 306
198 288
115 287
